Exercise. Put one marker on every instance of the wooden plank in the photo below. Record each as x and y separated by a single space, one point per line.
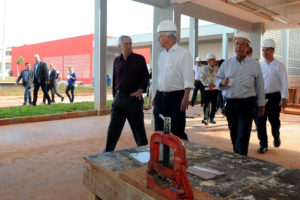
137 178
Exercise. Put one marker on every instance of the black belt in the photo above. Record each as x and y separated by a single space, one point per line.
269 95
169 93
241 99
123 93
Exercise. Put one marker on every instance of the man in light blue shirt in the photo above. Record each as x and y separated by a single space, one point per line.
240 79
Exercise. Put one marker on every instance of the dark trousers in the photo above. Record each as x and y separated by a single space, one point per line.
198 86
168 104
210 103
272 112
130 108
239 113
54 90
70 87
27 94
37 86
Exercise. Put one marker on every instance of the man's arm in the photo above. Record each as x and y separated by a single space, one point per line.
185 101
19 77
284 86
144 80
260 90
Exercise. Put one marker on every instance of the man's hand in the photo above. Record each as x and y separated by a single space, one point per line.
211 86
261 110
137 94
47 82
225 81
184 104
283 103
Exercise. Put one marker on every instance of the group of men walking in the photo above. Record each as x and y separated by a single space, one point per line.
39 77
245 85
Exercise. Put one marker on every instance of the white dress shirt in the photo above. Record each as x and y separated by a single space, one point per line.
275 77
246 79
208 75
197 72
175 70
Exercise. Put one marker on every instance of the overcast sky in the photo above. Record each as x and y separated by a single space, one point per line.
33 21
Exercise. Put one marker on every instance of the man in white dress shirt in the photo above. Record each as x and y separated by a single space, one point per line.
276 90
174 82
240 79
198 84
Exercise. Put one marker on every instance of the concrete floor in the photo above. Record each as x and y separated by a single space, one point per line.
43 160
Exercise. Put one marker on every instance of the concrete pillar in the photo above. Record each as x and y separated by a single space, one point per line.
177 20
193 40
3 64
99 55
256 40
224 46
285 50
159 15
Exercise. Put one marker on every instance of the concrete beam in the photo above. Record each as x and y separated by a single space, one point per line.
200 12
156 3
177 21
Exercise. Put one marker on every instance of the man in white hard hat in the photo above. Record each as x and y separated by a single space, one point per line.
276 91
240 79
174 82
208 75
197 83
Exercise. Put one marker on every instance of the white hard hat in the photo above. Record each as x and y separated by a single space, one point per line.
198 59
242 35
166 25
268 43
210 56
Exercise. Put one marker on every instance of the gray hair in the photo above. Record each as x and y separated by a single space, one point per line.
120 40
37 56
172 33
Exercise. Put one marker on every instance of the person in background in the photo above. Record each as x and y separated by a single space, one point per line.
221 100
197 83
207 77
41 79
54 81
249 52
71 83
276 91
27 81
130 81
174 82
240 79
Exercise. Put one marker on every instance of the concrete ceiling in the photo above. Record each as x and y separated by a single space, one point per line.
239 14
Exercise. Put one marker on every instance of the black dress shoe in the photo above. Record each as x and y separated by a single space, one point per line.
262 150
276 142
62 99
205 121
212 121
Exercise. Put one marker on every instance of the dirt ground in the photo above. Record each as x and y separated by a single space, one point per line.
44 160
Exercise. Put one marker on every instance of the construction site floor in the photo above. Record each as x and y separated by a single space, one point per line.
44 160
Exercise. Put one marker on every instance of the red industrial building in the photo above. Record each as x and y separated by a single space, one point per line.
75 51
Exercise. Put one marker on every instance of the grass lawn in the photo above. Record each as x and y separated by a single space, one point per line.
81 89
25 111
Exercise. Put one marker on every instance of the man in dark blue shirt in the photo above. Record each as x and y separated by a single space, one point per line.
130 80
27 80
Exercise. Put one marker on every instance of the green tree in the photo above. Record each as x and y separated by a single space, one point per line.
20 62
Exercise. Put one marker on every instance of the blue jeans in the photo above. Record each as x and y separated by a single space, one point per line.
27 94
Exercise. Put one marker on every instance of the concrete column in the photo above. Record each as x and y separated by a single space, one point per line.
256 40
3 70
159 15
286 46
177 20
99 55
193 40
224 46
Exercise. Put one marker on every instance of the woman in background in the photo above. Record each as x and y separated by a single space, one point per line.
71 83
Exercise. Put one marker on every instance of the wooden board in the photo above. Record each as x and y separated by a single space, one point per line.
137 178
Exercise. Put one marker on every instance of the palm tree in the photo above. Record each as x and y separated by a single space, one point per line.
19 61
